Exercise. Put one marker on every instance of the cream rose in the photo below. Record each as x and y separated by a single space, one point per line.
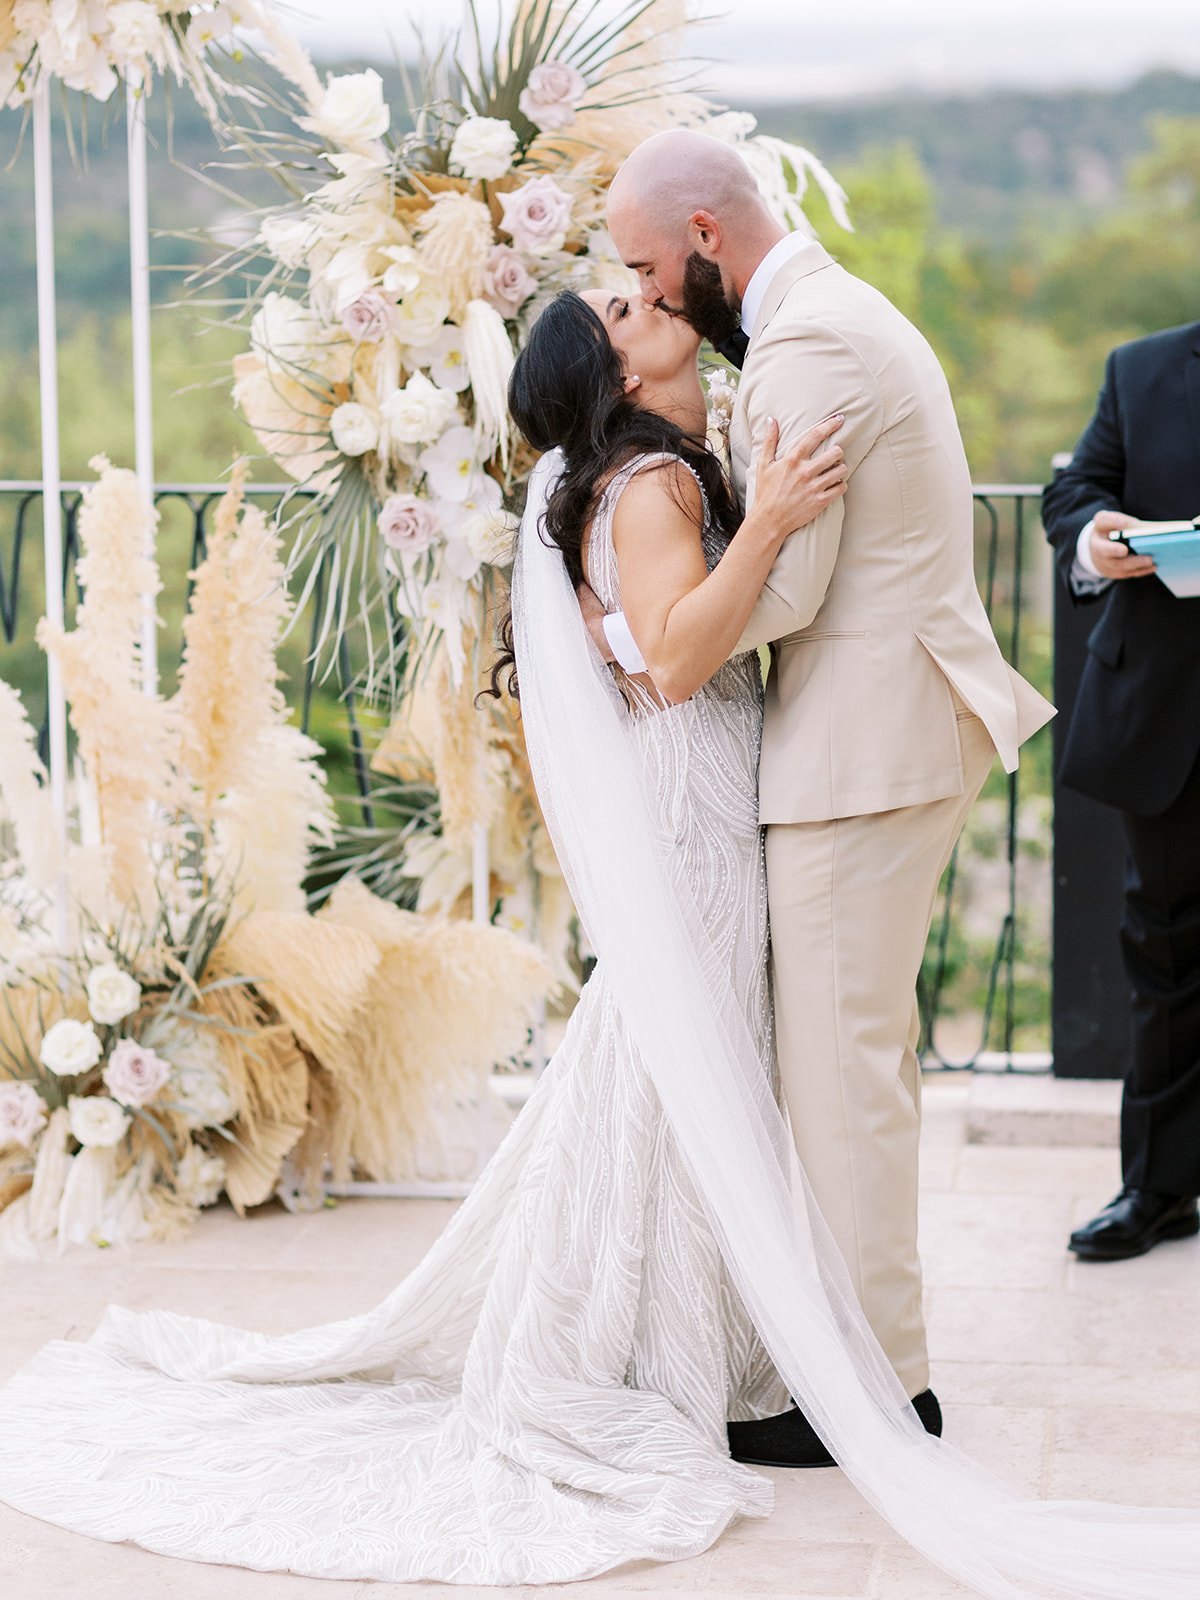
69 1048
421 313
201 1082
536 216
135 33
112 993
420 412
353 429
408 524
507 282
483 147
552 94
22 1114
199 1177
134 1074
96 1120
352 109
491 536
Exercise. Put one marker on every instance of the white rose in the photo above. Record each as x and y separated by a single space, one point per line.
421 314
201 1082
96 1120
22 1114
353 429
112 993
199 1177
69 1048
134 1074
352 109
420 412
287 237
483 147
490 535
551 95
135 33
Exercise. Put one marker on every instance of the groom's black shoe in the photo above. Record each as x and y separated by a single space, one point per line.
1133 1223
789 1440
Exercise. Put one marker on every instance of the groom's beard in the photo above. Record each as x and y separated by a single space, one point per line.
705 305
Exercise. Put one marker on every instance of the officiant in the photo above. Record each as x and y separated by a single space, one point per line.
1134 743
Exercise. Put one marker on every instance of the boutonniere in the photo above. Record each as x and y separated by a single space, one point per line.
722 393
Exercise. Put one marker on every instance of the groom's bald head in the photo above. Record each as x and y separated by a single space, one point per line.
685 212
674 174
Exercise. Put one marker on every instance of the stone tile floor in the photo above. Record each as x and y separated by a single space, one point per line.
1064 1379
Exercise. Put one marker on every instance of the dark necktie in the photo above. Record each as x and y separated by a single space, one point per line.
734 349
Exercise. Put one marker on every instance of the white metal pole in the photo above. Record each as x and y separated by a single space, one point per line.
139 305
52 533
481 873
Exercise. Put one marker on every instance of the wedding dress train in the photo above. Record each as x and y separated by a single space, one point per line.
546 1394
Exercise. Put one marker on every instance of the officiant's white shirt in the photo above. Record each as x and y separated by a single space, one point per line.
616 630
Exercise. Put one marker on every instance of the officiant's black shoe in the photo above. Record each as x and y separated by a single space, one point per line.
789 1439
1133 1223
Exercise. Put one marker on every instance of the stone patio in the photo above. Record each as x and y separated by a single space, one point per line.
1065 1379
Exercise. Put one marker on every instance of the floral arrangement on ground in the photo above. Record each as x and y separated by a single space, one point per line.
174 1022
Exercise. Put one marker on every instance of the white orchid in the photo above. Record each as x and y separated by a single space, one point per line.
452 466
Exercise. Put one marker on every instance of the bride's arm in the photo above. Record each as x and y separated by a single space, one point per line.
685 620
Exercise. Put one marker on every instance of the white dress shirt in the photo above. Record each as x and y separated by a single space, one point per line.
616 630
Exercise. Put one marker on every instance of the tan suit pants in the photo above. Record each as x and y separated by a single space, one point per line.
851 904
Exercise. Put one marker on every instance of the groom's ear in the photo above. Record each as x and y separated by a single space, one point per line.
704 233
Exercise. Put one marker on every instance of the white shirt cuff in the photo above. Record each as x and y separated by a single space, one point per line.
1086 577
621 643
1083 549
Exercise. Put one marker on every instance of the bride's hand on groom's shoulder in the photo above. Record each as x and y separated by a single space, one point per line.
792 489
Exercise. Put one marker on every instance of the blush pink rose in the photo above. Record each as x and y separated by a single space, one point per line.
408 524
22 1113
134 1074
369 318
507 282
552 94
536 216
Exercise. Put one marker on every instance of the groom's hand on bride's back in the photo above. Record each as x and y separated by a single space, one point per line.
795 487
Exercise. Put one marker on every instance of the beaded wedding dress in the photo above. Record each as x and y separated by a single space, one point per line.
544 1397
546 1394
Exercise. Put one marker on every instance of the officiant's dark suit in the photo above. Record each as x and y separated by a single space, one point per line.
1134 743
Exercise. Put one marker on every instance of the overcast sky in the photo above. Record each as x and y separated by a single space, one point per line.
805 49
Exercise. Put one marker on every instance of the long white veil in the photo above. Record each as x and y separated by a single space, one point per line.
714 1091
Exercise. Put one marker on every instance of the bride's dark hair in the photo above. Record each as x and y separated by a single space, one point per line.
567 390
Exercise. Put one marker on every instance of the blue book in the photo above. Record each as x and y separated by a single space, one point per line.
1174 547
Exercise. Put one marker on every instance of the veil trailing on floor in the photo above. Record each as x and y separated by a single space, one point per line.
690 1029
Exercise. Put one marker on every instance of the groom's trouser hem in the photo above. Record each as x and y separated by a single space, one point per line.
851 902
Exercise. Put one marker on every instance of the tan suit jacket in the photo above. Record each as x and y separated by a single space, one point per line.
872 609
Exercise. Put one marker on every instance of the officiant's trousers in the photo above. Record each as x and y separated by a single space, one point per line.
851 903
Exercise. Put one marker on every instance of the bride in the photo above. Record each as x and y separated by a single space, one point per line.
546 1395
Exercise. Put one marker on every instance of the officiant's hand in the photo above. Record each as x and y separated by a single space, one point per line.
1115 560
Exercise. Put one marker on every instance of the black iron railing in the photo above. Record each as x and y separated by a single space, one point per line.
984 990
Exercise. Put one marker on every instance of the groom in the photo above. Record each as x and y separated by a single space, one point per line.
886 703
